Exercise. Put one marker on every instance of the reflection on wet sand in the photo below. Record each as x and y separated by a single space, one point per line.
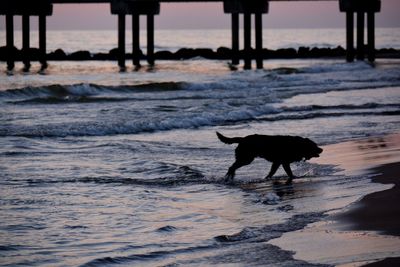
357 156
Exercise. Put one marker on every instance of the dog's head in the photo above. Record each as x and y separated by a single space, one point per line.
311 150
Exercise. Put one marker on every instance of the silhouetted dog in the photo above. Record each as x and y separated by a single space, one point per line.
280 150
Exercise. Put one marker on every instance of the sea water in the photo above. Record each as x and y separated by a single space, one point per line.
101 168
102 41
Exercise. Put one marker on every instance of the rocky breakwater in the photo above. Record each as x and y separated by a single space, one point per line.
222 53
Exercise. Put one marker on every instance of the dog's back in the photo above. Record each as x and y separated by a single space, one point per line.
274 148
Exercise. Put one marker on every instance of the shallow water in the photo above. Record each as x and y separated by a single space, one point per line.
105 168
102 41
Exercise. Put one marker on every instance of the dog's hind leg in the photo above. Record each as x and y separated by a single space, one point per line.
286 167
274 168
240 162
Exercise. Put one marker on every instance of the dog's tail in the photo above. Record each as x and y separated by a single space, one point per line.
228 140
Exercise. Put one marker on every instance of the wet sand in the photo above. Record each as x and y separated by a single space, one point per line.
378 211
367 232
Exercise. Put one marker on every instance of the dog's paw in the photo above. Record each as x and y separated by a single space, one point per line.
289 181
228 179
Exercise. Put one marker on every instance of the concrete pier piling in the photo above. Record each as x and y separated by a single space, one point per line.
235 38
150 39
136 8
26 9
247 8
42 41
121 42
136 53
26 42
247 40
371 36
259 43
350 36
360 35
360 7
10 41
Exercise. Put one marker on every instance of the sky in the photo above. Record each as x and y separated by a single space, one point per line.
210 15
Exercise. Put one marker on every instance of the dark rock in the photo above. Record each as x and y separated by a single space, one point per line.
185 53
101 56
4 53
113 53
164 55
59 54
303 52
80 55
387 51
141 55
31 53
267 53
243 53
205 53
224 53
316 52
286 53
338 52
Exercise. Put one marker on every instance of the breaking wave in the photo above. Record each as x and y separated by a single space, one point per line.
170 118
81 92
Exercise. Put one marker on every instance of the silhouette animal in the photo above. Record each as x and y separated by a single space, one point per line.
278 149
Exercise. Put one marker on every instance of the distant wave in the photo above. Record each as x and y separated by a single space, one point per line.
161 106
178 120
82 91
282 82
172 176
341 107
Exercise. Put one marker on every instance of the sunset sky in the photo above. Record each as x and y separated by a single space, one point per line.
210 15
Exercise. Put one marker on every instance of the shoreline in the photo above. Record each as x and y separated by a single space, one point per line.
376 211
366 232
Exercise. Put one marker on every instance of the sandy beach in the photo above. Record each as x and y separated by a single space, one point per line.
365 233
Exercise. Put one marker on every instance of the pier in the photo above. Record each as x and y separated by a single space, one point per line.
249 9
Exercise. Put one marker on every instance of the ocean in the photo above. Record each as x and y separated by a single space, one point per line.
103 168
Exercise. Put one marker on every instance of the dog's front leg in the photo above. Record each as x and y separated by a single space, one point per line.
274 168
229 175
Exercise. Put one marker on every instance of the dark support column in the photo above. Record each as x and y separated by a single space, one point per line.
360 8
235 38
349 36
247 41
136 39
371 36
258 29
121 41
10 41
26 42
42 41
150 39
360 35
